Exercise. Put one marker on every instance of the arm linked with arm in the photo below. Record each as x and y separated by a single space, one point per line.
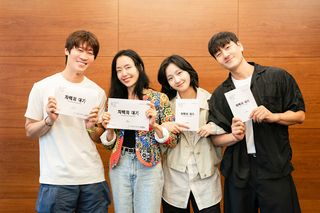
166 115
108 138
228 139
95 133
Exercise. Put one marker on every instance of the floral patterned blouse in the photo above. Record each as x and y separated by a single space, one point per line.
147 148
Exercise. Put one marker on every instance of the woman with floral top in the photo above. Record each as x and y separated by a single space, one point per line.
135 167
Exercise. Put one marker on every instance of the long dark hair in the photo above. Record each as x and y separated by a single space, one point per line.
117 89
182 64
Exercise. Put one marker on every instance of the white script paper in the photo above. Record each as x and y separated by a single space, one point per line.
187 112
128 114
241 102
76 101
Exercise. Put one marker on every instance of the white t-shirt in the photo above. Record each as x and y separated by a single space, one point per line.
68 156
251 149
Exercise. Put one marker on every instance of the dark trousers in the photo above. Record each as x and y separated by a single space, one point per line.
167 208
269 195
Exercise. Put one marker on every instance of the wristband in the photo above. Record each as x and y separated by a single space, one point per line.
104 140
46 123
165 134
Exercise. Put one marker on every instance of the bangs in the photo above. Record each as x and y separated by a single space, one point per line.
86 42
220 40
220 43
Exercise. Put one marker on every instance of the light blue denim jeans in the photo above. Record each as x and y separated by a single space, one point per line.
135 187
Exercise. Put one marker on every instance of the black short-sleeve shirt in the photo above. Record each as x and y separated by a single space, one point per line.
277 90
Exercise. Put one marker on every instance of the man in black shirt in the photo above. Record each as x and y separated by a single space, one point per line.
258 168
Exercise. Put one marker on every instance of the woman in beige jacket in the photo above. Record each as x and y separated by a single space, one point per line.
190 169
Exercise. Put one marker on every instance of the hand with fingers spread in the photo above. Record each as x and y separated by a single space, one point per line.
174 127
262 114
92 118
238 129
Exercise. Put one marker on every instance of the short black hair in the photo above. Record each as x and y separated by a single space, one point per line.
219 40
182 64
77 38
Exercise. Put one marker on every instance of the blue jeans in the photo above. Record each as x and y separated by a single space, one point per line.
135 187
87 198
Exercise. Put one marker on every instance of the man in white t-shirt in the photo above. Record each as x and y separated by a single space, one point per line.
71 171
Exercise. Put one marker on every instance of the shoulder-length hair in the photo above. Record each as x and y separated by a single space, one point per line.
117 89
182 64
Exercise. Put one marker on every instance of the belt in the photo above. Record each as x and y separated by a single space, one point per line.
128 150
253 155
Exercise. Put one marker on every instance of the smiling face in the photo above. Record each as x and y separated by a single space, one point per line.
178 79
230 55
127 72
79 58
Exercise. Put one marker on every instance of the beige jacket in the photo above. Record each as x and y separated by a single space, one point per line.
207 155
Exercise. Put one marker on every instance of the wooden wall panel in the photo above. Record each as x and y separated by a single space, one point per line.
18 205
37 28
309 205
161 28
20 73
19 172
281 33
306 149
306 72
286 28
